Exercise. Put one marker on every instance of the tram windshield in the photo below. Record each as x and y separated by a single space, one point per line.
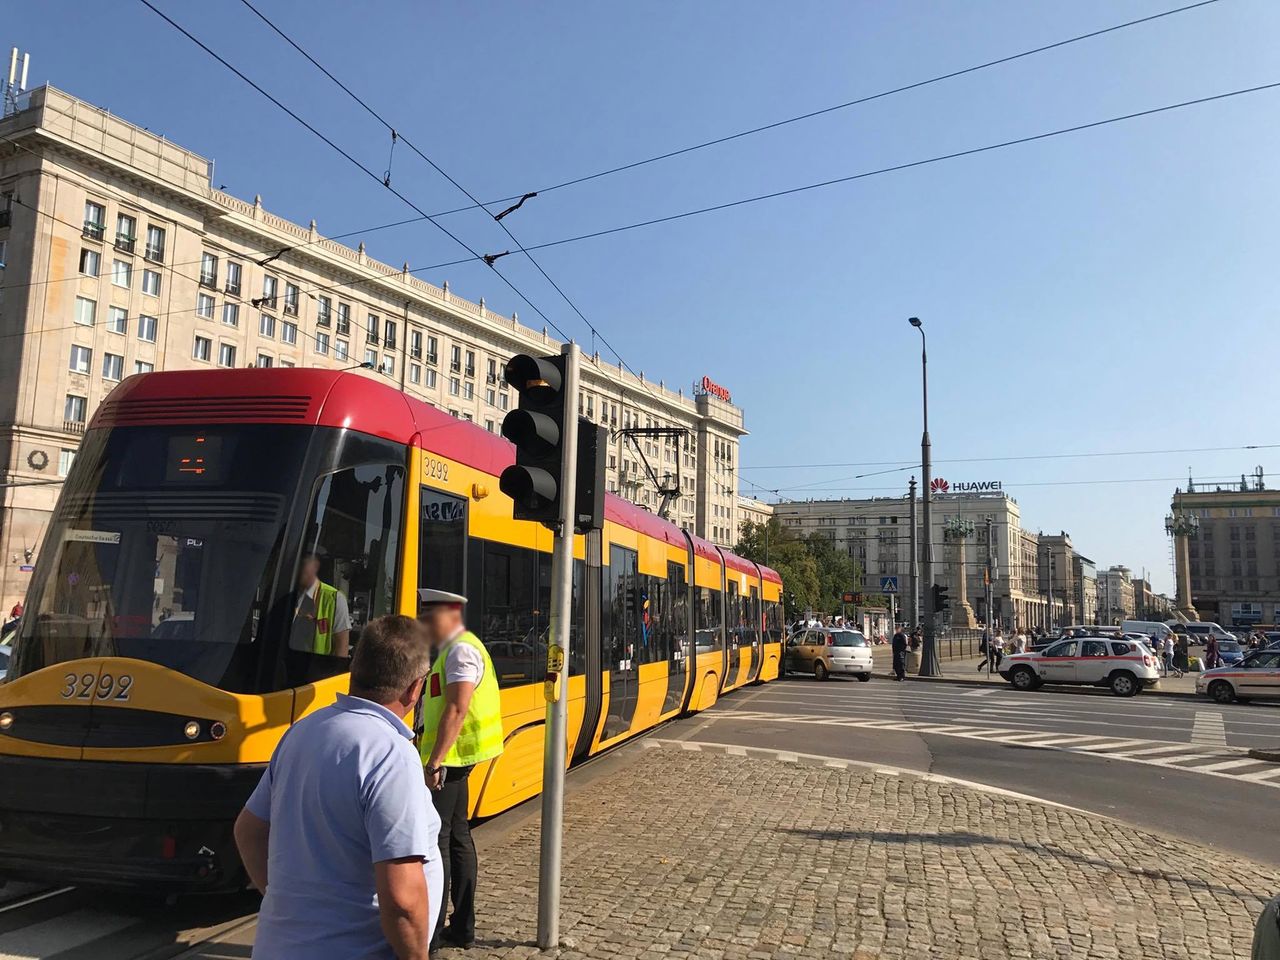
163 548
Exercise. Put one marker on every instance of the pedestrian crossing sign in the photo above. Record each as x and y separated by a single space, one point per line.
888 584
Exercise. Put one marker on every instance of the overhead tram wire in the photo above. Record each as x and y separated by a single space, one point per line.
499 219
841 106
430 218
1233 478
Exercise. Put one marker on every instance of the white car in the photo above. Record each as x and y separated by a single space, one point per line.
1257 676
1125 666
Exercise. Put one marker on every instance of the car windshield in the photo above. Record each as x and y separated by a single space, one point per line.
850 638
1228 646
161 549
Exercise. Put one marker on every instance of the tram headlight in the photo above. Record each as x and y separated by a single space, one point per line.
192 729
217 730
6 721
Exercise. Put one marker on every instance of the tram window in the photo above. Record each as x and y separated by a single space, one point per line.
346 575
676 614
707 619
442 549
652 627
621 605
510 620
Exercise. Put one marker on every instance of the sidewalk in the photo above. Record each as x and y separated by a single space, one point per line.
966 671
677 854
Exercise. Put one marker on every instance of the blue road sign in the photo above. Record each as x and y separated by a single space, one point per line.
888 584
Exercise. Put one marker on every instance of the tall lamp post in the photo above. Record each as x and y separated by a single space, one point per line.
930 665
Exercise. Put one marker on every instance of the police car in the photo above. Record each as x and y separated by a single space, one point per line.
1123 664
1257 676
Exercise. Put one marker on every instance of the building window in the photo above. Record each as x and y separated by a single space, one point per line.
209 271
90 262
65 459
415 344
233 278
226 354
491 398
95 220
288 332
126 233
341 349
204 307
344 319
415 373
286 363
488 425
291 299
371 335
324 312
471 364
142 366
231 314
122 273
455 388
430 380
203 348
151 283
492 375
503 401
265 361
266 325
81 358
433 352
155 244
112 366
117 319
322 346
270 286
147 328
455 359
469 390
75 409
389 334
371 358
86 311
389 365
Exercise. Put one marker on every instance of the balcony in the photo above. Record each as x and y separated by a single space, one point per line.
209 280
416 353
344 327
290 308
93 231
372 337
125 244
455 366
154 253
73 426
324 320
491 378
266 302
233 288
471 372
389 342
433 358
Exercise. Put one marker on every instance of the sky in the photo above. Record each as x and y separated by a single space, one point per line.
1101 292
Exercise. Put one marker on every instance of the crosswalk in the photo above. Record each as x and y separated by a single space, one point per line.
1210 756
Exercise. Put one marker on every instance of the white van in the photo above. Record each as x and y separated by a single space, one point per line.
1199 631
1152 628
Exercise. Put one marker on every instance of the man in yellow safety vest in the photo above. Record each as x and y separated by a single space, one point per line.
321 619
461 727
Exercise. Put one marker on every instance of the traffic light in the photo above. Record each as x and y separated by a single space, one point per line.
941 602
535 427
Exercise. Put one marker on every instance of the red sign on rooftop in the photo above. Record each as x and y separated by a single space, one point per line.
709 386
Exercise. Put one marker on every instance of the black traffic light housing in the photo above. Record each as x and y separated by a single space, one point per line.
536 427
941 602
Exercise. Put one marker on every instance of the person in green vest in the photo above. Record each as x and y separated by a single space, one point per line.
321 619
461 727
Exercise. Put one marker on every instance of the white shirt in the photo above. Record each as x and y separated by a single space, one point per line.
463 663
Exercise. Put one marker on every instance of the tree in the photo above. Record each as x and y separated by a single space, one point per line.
814 573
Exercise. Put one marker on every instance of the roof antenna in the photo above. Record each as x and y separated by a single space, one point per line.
17 82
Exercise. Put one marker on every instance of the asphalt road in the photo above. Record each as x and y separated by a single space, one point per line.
1178 768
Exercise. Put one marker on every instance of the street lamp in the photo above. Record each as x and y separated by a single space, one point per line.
930 666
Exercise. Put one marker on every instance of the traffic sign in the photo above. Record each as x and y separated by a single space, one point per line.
888 584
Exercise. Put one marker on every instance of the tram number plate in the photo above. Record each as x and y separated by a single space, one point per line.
90 686
437 469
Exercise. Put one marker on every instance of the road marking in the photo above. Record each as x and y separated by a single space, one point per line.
1230 764
980 693
1209 729
1261 776
61 933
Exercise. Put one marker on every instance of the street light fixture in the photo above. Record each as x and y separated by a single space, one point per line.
930 665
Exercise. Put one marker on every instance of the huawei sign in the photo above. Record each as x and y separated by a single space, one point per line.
938 485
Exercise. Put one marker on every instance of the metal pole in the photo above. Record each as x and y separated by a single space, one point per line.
913 567
1051 618
930 664
556 736
991 634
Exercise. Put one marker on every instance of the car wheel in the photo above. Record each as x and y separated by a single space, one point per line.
1221 691
864 677
1023 678
820 671
1124 684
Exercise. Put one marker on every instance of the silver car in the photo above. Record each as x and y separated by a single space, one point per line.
1256 677
851 654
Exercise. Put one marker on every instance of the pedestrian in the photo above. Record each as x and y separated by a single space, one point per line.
1017 645
461 727
338 835
899 655
1167 651
1211 652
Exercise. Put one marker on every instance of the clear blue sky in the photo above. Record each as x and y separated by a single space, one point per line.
1109 290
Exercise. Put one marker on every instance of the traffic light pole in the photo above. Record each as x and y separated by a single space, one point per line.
556 736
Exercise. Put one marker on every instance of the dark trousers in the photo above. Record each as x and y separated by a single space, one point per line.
457 855
900 664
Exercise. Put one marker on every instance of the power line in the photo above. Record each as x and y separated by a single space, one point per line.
395 134
846 104
1033 483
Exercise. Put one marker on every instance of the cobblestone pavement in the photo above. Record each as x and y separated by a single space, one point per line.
683 854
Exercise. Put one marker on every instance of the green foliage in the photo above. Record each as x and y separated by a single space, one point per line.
814 573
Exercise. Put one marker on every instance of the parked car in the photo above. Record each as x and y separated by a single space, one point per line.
1125 666
1257 676
829 650
851 655
1231 652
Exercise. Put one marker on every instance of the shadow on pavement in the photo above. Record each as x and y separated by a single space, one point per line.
964 839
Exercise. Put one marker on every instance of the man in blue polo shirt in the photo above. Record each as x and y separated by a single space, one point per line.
340 835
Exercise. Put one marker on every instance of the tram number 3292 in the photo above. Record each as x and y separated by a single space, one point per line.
90 686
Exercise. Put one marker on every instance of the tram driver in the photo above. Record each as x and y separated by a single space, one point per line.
321 618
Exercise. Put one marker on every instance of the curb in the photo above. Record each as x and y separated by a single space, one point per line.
1065 688
1271 755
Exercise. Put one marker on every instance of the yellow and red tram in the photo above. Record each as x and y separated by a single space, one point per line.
159 662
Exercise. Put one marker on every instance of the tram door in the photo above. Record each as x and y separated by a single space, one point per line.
754 627
621 639
733 629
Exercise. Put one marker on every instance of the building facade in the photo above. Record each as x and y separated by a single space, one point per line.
1231 559
1115 595
120 257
